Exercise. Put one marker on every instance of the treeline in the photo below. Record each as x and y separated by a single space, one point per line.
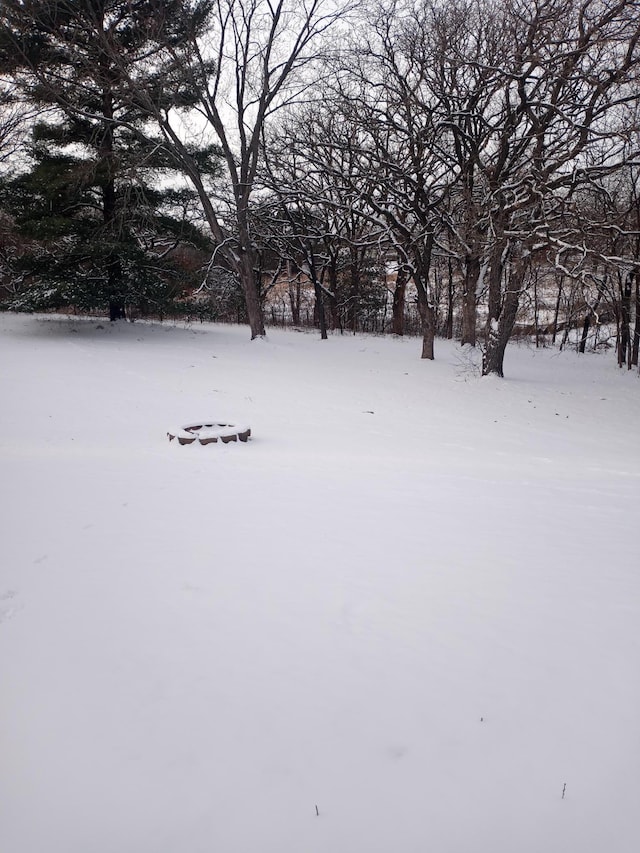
468 168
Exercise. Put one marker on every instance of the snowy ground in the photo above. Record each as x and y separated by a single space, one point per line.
412 600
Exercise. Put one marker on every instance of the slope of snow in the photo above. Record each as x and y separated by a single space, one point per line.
412 600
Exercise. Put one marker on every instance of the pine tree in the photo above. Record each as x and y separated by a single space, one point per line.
92 204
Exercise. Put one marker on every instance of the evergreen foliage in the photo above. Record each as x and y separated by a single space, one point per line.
96 203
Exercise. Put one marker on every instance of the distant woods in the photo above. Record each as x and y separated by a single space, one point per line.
465 169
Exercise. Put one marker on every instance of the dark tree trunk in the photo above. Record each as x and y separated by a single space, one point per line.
317 289
354 292
399 294
556 312
498 335
636 327
449 321
246 269
294 301
587 319
334 311
624 337
322 321
469 285
502 314
295 294
114 278
496 271
116 311
536 309
585 333
425 308
428 315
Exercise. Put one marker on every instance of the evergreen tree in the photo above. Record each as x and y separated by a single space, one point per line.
100 225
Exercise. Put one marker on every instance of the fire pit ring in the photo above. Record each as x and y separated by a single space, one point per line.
209 432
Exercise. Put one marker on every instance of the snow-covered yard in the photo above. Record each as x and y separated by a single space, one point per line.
411 601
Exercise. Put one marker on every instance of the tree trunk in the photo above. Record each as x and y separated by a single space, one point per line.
322 322
317 289
116 311
246 266
334 311
536 310
425 308
449 322
585 333
496 271
469 285
502 314
591 312
428 332
624 338
295 293
114 287
247 275
636 327
354 292
498 335
399 294
556 312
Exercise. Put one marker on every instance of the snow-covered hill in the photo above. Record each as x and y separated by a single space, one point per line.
402 618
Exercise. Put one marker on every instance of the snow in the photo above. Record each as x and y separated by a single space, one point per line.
207 432
411 600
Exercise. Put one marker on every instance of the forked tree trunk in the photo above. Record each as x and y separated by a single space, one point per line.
502 313
499 333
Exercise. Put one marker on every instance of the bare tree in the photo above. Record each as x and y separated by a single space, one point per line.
527 91
312 171
397 178
474 127
241 60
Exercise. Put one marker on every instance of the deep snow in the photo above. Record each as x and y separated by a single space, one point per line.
411 600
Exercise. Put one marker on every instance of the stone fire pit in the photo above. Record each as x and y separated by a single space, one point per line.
209 432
